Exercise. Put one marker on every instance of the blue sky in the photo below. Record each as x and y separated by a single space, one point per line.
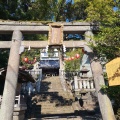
115 8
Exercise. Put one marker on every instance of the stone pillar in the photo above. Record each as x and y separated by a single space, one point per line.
7 106
89 36
104 101
76 83
61 60
85 60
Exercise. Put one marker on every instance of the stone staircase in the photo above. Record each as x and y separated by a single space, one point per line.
53 100
55 103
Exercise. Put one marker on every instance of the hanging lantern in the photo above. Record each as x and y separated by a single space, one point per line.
66 59
72 58
26 59
77 56
69 59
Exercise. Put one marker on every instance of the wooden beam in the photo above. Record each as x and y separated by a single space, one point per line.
43 44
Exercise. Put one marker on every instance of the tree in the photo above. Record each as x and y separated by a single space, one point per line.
108 37
78 11
4 54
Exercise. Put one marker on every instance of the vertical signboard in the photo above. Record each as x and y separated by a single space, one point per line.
113 72
55 34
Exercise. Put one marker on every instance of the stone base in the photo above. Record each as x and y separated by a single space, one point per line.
19 113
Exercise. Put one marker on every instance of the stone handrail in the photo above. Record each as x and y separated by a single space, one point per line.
18 101
62 79
83 84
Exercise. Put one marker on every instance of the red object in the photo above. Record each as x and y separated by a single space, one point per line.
26 59
72 58
69 59
66 59
77 56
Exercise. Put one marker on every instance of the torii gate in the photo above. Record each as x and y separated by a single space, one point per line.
19 28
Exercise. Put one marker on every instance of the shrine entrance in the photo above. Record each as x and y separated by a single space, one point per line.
57 33
50 67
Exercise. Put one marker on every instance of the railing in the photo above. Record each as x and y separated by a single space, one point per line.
61 73
80 84
19 101
83 84
62 79
36 71
0 100
69 74
37 75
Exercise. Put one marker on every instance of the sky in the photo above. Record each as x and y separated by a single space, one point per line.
115 8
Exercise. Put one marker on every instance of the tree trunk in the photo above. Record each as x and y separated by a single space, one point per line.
7 106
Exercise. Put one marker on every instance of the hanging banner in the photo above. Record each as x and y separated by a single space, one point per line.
55 34
113 72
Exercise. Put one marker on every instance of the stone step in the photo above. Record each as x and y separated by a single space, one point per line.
56 111
52 99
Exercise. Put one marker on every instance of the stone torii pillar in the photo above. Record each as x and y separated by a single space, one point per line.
85 59
89 36
7 106
104 101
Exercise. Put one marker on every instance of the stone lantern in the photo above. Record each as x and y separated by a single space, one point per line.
84 72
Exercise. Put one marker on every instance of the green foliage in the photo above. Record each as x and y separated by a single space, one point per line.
108 38
31 54
73 65
118 114
100 11
43 10
104 89
114 95
78 10
4 54
41 37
